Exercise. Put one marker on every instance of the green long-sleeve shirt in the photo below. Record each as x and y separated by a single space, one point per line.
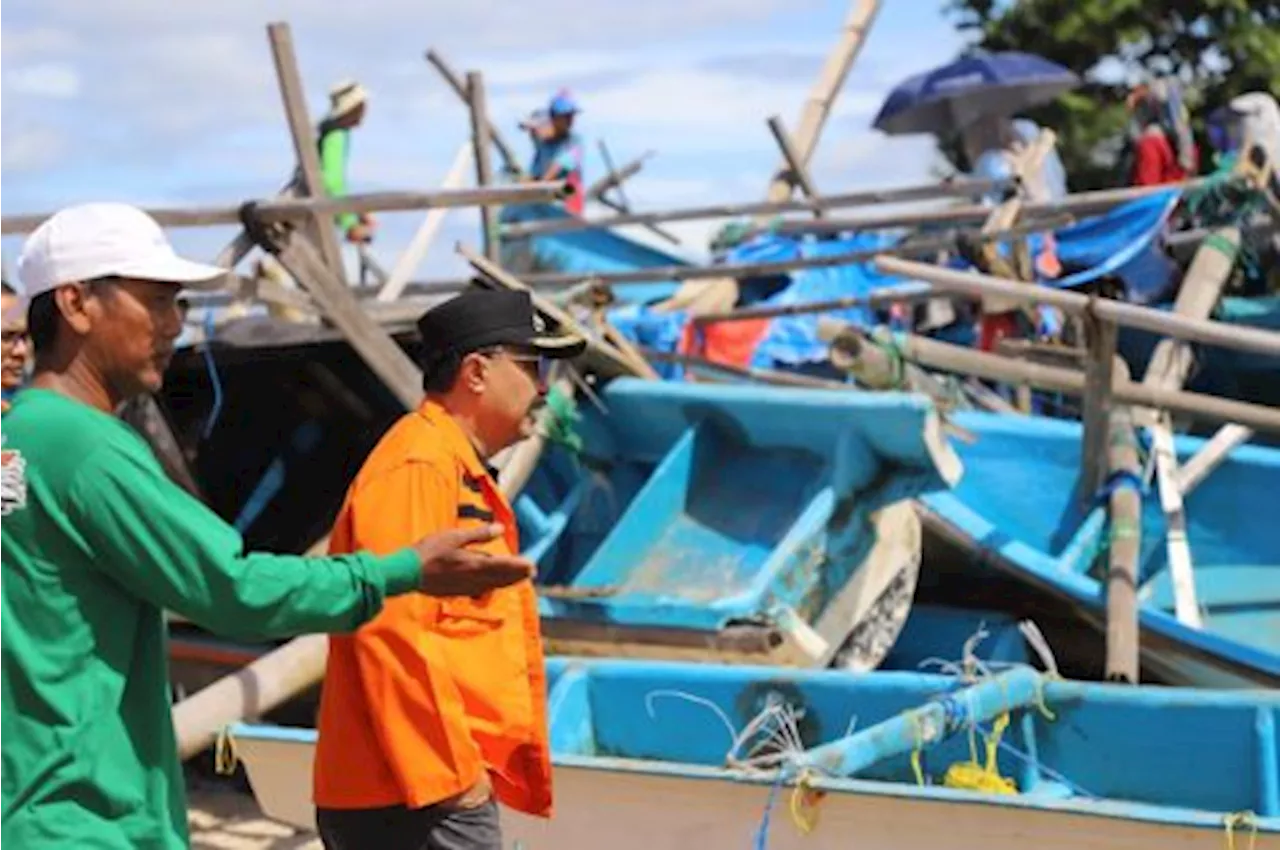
97 541
335 150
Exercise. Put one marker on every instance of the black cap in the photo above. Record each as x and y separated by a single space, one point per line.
481 318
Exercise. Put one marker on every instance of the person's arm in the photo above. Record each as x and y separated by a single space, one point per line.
333 173
406 679
165 546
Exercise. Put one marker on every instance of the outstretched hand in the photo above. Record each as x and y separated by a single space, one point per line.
450 569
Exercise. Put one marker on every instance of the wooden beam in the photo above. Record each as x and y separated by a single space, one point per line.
1124 507
616 177
304 142
1177 546
967 361
413 255
482 141
1168 368
1099 379
1211 454
813 115
1181 325
459 86
797 170
289 209
870 197
384 357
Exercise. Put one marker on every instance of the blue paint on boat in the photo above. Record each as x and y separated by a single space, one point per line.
694 506
1016 506
587 250
1139 754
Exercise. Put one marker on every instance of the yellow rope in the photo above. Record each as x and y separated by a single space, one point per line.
225 758
1231 821
973 776
804 803
915 753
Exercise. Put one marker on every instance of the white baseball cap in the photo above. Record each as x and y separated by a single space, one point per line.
95 240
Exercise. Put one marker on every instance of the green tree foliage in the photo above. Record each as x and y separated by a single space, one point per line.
1218 48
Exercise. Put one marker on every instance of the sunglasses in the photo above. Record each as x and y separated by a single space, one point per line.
536 365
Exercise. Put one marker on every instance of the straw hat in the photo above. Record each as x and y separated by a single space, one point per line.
345 98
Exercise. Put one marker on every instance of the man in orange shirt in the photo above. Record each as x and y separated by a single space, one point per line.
436 709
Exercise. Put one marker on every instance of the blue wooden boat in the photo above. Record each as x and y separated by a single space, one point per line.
666 755
1016 510
701 521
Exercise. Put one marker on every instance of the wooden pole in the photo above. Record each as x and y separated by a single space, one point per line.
1124 508
484 170
460 88
250 692
1077 204
616 177
1099 378
870 197
283 208
304 142
426 233
384 357
798 171
967 361
1181 325
813 116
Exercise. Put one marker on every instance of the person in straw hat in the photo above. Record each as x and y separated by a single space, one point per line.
348 102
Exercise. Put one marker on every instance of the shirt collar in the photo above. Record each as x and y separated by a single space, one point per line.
458 441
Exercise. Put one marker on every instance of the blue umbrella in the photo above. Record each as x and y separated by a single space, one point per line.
951 96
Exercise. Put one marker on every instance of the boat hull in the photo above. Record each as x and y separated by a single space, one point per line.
641 809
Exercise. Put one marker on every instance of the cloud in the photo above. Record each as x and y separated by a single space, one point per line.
33 148
56 80
191 113
24 44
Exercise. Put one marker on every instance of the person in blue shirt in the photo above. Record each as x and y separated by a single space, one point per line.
16 349
557 150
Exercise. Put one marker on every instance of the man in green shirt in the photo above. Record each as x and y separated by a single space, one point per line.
98 541
348 102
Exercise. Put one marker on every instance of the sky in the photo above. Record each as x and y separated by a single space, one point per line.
166 104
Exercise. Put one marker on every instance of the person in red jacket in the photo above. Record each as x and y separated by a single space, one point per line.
1163 150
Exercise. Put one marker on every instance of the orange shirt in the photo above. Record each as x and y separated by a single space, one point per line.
425 696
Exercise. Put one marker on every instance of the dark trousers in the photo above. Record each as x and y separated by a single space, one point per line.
401 828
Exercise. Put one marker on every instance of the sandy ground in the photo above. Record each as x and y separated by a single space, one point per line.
222 817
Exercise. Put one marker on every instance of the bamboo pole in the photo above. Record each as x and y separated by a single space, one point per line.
459 87
813 116
321 229
413 255
484 170
250 692
797 170
1182 326
881 297
867 197
1077 204
1124 508
967 361
284 209
616 177
1097 408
